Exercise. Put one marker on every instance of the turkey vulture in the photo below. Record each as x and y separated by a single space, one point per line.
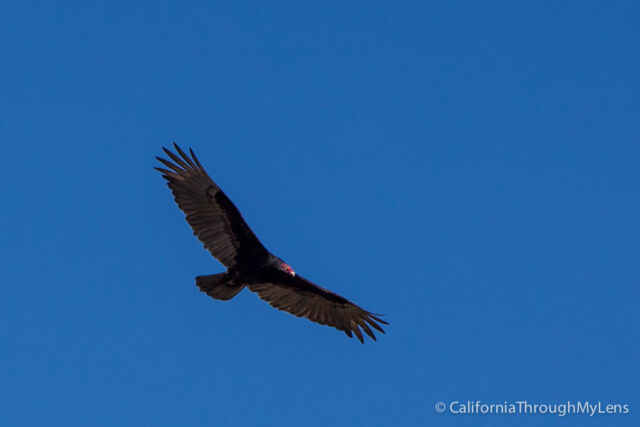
218 224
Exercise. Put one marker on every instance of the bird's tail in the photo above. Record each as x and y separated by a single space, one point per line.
218 286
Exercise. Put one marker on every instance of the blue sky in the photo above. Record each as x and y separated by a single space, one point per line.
470 169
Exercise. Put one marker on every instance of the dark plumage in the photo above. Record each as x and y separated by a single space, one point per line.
218 224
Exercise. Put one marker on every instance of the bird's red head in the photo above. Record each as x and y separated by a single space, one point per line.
287 269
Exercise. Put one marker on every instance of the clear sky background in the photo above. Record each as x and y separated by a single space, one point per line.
470 169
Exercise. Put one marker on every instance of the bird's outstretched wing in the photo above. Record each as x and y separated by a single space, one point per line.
302 298
213 217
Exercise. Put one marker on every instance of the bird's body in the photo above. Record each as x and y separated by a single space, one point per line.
219 225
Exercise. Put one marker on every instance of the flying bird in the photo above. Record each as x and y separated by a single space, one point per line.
217 222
